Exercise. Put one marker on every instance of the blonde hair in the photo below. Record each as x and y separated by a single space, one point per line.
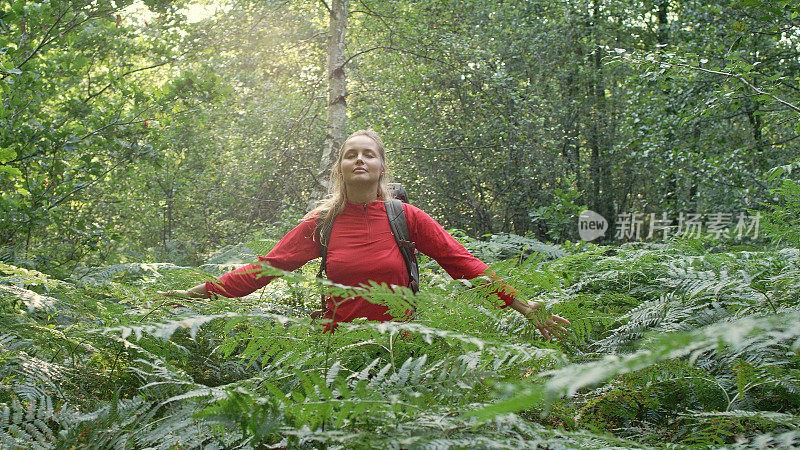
331 206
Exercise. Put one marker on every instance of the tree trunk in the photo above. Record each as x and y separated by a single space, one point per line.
600 182
671 198
572 123
663 24
336 130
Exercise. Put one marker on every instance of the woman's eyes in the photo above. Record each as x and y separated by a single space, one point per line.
353 155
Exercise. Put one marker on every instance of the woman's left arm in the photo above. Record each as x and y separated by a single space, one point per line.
432 239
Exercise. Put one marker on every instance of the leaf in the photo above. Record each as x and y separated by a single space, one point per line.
11 170
7 154
332 373
79 61
750 3
363 374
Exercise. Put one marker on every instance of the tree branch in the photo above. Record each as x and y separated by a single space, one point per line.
80 188
153 66
369 11
394 49
740 78
47 40
744 81
330 11
449 148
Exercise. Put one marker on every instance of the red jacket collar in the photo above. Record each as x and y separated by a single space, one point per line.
361 206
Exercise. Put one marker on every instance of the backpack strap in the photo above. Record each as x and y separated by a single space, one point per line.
399 226
324 239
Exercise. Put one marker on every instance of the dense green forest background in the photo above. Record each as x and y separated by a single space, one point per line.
152 144
130 136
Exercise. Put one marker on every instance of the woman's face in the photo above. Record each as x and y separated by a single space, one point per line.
362 163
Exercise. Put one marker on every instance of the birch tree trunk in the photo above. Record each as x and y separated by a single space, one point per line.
337 90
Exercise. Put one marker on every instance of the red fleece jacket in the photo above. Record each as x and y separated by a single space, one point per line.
361 249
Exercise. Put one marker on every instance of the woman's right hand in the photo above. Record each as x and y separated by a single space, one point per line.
176 293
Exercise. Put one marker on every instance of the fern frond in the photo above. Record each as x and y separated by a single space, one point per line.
734 335
26 425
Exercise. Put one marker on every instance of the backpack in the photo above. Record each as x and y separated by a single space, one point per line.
399 226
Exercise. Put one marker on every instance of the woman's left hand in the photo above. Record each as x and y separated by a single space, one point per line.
550 325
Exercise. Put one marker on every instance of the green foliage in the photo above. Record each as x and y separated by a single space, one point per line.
697 339
256 418
145 137
504 246
782 220
655 395
560 216
127 140
670 344
74 115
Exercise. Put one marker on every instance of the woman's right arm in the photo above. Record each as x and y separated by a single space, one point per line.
292 251
198 291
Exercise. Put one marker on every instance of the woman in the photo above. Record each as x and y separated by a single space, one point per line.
361 248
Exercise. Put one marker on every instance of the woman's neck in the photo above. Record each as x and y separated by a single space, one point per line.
362 196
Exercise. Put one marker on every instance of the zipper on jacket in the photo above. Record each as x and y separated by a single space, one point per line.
366 223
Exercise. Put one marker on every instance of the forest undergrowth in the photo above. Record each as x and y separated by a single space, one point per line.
682 343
